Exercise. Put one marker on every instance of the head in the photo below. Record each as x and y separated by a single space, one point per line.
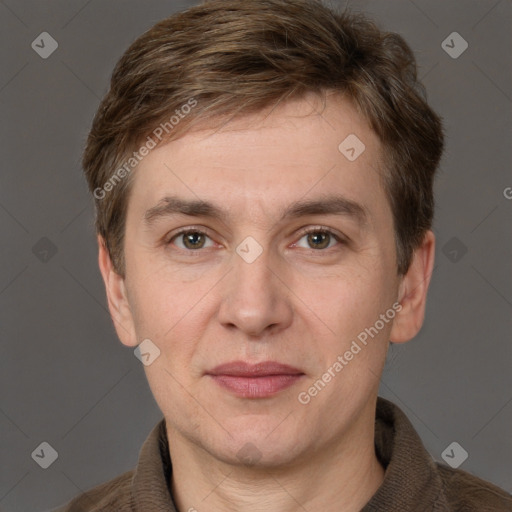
295 148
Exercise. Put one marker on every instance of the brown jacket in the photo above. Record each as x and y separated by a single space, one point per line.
413 481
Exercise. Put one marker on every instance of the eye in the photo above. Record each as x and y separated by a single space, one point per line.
319 238
190 239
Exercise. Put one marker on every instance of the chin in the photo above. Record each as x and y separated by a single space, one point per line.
250 456
258 448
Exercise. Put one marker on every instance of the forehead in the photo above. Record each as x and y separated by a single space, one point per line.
265 161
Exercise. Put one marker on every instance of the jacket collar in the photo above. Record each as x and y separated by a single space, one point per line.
411 480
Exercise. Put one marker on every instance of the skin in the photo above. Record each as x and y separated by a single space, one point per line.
295 304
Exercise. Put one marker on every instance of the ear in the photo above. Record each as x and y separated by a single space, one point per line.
413 292
118 303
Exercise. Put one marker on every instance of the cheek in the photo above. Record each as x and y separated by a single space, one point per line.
353 288
342 306
161 297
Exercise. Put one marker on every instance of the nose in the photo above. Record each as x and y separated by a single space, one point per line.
255 299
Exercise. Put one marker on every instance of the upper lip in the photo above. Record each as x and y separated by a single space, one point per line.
244 369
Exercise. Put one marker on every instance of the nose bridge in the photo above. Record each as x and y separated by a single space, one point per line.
252 270
255 299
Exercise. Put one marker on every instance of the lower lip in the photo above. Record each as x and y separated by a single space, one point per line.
256 387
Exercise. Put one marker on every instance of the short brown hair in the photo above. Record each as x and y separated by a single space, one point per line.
233 57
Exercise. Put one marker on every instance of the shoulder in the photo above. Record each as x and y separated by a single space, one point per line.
111 496
467 493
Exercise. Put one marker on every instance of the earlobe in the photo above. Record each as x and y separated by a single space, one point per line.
413 292
118 303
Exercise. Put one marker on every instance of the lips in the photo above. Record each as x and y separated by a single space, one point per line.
259 380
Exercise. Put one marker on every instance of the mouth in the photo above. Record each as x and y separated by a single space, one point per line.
260 380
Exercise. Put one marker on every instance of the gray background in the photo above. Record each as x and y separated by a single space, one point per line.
67 380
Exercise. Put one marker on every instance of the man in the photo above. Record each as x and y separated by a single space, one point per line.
263 177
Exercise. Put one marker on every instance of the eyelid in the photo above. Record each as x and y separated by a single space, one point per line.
323 229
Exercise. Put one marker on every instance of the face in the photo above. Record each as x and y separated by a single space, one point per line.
256 256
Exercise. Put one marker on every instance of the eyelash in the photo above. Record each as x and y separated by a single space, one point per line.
307 231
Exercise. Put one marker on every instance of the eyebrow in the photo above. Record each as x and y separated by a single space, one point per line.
325 205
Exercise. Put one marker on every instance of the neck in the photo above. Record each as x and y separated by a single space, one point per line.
341 477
